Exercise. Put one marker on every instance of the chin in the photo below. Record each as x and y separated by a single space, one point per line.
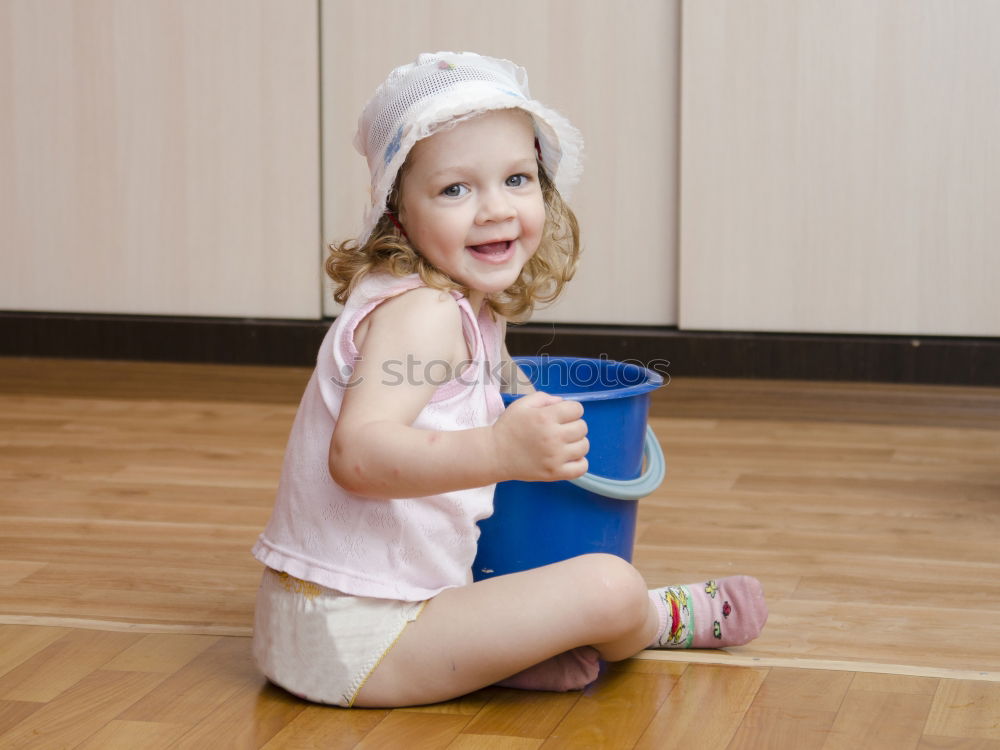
501 285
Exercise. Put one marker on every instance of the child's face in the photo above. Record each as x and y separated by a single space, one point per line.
471 203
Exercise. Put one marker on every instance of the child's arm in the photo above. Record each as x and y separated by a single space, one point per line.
374 450
513 378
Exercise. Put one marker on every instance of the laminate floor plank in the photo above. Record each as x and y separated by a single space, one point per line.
161 652
14 712
21 642
15 571
870 719
248 719
927 742
131 735
199 687
492 742
468 705
326 728
134 491
704 709
794 708
62 663
519 713
613 712
894 683
965 709
414 731
80 711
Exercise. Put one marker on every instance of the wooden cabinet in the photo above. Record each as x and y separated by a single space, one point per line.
160 157
828 167
840 170
163 156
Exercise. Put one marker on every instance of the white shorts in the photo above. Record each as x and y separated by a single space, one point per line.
321 644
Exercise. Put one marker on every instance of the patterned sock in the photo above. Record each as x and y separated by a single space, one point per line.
727 612
573 670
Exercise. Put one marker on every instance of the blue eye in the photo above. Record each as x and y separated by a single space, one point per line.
517 180
455 191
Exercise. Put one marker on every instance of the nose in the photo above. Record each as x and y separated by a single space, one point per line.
495 206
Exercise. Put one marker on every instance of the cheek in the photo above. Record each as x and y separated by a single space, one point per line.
538 220
438 225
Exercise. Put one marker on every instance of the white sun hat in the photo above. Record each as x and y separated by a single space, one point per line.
442 88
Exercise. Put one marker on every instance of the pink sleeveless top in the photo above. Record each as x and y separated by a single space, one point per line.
407 548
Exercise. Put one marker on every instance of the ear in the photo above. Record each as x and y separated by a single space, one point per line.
396 223
393 199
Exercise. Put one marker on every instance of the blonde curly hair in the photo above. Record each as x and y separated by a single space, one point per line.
387 250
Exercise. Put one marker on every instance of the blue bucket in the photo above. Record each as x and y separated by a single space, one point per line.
538 523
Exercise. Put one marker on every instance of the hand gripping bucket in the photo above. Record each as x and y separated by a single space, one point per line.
538 523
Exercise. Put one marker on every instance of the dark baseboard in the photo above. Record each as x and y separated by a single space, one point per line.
894 359
890 359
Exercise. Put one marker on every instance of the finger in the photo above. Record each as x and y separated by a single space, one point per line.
574 469
539 399
575 430
568 411
577 449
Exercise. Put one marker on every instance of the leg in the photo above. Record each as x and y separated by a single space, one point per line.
573 670
473 636
713 614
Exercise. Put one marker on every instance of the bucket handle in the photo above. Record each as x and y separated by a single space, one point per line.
630 489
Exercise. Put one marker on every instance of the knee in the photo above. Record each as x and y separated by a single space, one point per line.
617 594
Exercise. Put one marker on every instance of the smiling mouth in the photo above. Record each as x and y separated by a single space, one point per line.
492 250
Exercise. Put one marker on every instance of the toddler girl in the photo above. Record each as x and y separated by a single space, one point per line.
401 434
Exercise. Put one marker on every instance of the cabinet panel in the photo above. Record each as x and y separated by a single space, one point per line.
160 157
611 68
840 168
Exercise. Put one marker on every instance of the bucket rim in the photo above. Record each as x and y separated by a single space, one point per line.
646 380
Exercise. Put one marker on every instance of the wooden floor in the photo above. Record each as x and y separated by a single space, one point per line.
131 493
